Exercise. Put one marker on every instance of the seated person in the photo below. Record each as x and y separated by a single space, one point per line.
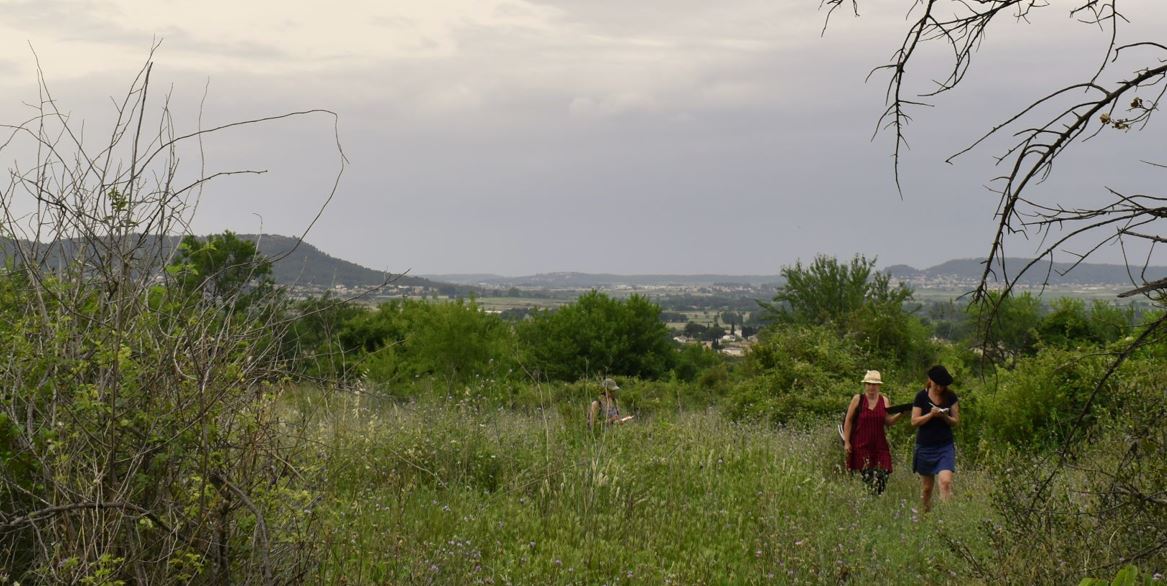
605 408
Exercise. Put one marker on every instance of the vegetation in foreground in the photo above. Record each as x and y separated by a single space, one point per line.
451 493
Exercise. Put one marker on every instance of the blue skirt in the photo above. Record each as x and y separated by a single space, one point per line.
930 460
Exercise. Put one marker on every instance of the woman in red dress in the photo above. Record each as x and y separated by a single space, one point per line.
865 440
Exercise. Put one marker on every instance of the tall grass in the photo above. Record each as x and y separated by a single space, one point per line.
452 493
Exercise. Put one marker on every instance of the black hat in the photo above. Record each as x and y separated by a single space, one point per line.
940 376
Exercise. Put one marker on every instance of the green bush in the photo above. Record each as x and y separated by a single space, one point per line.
857 302
1037 402
598 335
796 371
402 341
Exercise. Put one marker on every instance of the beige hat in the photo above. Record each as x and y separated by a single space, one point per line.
611 385
872 377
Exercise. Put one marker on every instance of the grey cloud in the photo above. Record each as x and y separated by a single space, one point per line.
98 22
693 149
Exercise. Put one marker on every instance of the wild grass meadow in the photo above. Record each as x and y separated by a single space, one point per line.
446 492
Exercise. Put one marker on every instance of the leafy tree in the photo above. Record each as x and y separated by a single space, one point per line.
1009 327
459 341
598 334
854 300
142 439
828 291
948 320
1070 323
313 341
693 360
455 340
695 330
797 371
224 268
1110 322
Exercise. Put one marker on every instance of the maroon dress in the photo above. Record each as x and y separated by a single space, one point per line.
869 447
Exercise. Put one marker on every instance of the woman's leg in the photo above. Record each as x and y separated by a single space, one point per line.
945 484
871 479
926 493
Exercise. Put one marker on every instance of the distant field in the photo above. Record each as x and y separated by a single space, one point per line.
1109 293
706 316
505 303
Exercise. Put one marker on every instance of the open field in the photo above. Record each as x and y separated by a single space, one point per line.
453 495
498 304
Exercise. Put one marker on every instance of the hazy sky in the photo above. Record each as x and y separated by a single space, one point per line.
523 136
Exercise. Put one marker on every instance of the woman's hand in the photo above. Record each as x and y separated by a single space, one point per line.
847 448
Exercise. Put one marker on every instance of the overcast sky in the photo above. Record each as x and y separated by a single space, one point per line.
524 136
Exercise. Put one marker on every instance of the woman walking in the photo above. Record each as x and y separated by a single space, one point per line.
864 433
934 413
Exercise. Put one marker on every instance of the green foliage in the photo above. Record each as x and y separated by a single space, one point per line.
1128 576
1070 324
694 359
313 341
450 494
857 302
224 268
1054 514
459 340
828 291
598 335
111 416
402 340
797 372
698 331
948 320
1006 326
1037 402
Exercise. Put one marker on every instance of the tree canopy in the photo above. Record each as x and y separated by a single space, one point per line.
598 335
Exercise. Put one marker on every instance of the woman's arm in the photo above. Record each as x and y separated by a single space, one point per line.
890 420
918 417
593 410
847 423
952 418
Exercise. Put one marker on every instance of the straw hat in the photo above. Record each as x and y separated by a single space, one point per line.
610 385
872 377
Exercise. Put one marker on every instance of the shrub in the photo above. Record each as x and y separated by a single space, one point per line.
1036 403
598 335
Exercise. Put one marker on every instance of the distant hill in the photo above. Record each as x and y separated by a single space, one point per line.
307 265
302 265
970 270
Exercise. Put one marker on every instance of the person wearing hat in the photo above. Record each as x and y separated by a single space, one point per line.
864 433
605 407
934 413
